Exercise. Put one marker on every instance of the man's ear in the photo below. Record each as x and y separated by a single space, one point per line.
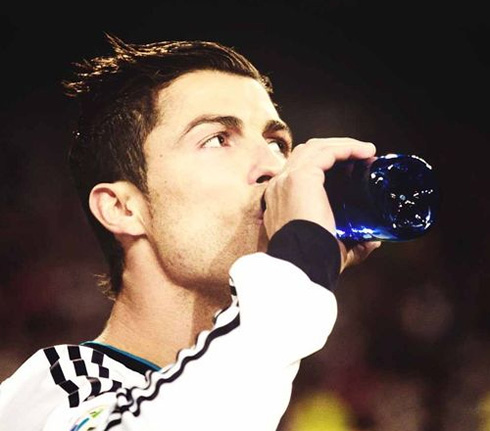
120 207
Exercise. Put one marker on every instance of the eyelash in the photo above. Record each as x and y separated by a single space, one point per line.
224 135
282 143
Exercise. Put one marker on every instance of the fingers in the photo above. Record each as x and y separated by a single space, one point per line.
356 253
323 153
298 192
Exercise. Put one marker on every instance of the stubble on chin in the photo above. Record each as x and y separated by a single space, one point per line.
247 239
203 259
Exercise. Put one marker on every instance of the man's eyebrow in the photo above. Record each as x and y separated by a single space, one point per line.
278 126
233 122
228 121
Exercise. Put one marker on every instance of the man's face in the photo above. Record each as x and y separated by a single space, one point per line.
218 139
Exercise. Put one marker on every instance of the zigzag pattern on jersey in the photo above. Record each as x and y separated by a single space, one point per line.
68 364
225 321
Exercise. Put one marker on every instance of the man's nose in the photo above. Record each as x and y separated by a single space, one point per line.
266 163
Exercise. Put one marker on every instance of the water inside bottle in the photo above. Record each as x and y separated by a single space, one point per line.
394 197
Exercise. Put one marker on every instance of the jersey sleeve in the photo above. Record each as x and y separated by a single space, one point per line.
238 376
287 308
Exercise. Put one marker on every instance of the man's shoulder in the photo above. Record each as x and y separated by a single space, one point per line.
61 361
44 359
63 375
35 365
71 371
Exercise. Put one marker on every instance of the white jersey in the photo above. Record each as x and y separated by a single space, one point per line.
237 377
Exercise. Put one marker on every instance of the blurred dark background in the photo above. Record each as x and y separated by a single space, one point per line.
411 348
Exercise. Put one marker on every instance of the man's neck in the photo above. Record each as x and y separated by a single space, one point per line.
155 323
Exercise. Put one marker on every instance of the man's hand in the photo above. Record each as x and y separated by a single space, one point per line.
298 192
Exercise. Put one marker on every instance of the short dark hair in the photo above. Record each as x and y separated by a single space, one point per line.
117 97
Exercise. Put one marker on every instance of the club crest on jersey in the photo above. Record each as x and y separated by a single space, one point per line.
89 420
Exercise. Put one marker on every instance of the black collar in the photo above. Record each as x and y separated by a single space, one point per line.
133 362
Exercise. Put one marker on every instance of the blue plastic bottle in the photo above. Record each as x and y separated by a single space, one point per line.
393 197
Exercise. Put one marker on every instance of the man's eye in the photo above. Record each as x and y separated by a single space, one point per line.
279 147
215 142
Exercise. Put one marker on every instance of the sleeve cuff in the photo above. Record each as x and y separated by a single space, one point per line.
311 248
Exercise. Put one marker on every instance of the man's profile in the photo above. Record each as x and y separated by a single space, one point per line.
216 300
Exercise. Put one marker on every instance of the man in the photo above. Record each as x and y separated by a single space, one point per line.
220 243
